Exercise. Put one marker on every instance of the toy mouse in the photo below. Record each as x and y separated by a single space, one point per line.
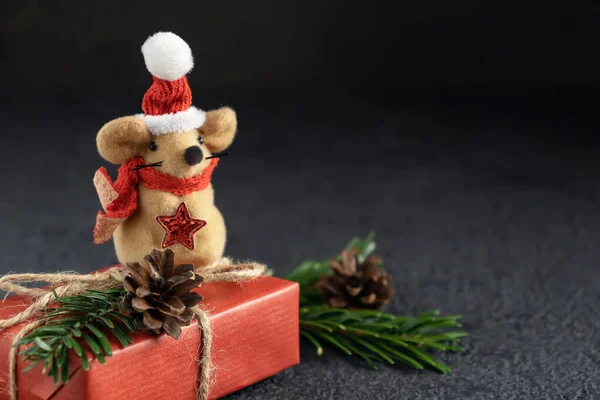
163 197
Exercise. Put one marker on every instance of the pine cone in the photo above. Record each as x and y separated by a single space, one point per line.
356 285
159 295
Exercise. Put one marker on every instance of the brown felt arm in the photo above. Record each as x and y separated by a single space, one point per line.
106 193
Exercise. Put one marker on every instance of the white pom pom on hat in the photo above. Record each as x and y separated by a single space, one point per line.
167 56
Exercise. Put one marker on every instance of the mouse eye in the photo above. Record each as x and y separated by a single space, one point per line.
153 146
200 140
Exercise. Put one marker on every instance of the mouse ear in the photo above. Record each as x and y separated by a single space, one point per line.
219 129
122 139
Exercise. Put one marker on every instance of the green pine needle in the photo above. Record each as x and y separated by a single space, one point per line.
79 322
378 336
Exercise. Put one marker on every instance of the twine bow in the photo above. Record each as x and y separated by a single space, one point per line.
72 283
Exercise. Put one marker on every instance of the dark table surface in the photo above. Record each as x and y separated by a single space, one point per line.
490 212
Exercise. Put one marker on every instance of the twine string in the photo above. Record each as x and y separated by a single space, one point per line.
71 284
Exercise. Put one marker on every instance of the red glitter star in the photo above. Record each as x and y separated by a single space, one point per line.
180 227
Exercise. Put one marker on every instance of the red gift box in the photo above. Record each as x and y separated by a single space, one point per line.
255 335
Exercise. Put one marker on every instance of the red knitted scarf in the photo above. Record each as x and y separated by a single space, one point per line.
126 203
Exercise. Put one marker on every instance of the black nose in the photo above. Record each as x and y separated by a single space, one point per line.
193 155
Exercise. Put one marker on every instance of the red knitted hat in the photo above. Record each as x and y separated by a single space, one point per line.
167 104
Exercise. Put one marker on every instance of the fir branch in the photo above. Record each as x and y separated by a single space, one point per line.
380 337
370 334
364 247
77 324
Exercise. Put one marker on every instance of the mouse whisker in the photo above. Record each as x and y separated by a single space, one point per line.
225 153
140 166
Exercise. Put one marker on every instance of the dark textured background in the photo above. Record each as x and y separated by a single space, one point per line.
463 134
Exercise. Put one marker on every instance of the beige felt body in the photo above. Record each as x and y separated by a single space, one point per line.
138 235
141 233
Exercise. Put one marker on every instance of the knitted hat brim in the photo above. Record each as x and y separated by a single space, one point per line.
182 121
